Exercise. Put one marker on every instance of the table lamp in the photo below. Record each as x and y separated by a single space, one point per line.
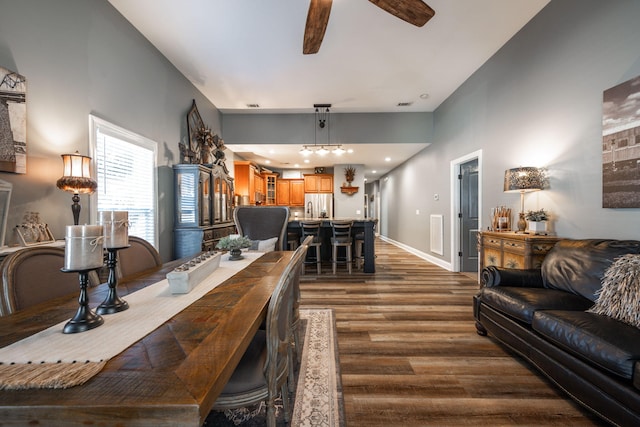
523 180
76 179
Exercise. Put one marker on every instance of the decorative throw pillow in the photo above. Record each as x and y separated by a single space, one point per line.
619 296
267 245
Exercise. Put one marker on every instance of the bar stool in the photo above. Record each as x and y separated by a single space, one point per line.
341 238
312 228
359 239
293 240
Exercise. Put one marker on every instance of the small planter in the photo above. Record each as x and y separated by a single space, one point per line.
235 254
537 227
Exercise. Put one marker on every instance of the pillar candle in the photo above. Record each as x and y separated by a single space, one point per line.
83 247
116 228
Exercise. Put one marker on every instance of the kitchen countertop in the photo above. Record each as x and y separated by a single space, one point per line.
331 219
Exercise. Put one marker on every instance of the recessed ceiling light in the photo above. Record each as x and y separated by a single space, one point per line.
424 95
307 160
387 159
296 165
267 161
374 171
350 150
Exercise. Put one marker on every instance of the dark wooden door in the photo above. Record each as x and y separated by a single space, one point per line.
469 216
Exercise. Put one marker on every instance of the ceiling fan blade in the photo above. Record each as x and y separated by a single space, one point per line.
317 19
414 12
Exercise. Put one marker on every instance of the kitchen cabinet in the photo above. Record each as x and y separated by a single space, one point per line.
270 188
290 192
296 192
513 250
318 183
248 181
203 204
283 191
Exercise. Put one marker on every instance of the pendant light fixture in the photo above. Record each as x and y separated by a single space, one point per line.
322 121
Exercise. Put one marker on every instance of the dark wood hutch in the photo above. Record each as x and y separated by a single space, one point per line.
203 191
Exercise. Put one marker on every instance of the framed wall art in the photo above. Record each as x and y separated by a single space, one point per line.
621 145
13 122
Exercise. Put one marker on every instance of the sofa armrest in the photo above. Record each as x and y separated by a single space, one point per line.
495 276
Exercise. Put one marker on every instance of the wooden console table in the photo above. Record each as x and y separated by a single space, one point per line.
513 250
171 377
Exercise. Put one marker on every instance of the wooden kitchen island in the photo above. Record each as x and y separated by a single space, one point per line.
359 225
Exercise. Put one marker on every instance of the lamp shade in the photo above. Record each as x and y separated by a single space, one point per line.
76 174
524 179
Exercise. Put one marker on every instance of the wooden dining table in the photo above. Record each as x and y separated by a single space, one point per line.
171 377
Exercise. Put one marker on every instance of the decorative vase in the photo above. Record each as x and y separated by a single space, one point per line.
235 254
537 227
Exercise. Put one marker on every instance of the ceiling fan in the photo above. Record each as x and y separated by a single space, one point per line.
415 12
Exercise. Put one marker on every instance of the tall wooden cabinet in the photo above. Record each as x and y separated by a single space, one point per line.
248 181
204 207
513 250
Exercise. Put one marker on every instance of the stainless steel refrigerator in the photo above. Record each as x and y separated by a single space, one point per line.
318 205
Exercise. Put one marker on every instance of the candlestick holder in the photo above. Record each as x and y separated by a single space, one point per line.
84 319
112 303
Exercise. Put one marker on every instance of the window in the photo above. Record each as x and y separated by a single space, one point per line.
125 169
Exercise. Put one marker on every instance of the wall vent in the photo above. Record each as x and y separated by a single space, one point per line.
437 234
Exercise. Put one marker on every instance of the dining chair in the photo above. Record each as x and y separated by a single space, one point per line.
33 275
312 228
263 372
262 223
139 256
296 340
341 238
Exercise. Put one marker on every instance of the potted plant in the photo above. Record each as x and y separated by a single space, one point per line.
349 174
537 221
234 244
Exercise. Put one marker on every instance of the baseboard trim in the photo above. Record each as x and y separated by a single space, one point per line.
437 261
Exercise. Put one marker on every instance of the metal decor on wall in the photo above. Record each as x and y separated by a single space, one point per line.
13 122
621 145
204 146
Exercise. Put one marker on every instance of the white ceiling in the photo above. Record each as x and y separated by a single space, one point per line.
239 52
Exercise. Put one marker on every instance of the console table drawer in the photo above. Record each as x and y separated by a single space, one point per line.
513 250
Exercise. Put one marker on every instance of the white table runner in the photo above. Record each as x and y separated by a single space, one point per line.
40 360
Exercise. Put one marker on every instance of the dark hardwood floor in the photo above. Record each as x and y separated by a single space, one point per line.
410 355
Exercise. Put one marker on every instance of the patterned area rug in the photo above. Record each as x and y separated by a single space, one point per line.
318 394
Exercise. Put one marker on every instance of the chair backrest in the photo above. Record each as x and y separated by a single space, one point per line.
302 249
310 228
33 275
341 230
262 222
139 256
279 320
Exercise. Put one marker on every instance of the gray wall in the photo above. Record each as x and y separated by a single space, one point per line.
536 102
384 128
82 57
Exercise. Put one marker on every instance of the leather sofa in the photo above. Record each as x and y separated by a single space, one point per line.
542 315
